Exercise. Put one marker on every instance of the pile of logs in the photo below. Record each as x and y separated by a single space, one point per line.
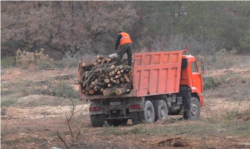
104 77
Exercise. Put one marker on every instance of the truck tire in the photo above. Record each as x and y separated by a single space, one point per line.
98 120
194 111
161 110
137 117
149 112
147 115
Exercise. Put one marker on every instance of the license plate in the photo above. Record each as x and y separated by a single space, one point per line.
115 103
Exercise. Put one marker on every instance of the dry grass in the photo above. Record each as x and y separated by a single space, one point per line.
26 58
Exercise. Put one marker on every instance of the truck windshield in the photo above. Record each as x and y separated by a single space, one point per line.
194 67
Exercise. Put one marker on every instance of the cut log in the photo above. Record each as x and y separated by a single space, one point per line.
109 85
99 84
88 88
103 75
95 63
127 80
83 64
121 66
89 67
100 56
117 81
112 73
122 79
108 59
106 80
130 73
126 67
117 68
97 88
120 91
93 83
109 92
118 72
126 75
92 91
99 60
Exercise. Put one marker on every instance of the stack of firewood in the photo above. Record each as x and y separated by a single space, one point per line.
103 76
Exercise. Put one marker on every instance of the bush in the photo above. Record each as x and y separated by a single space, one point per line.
69 61
63 89
6 102
210 83
27 87
230 115
7 62
222 59
25 58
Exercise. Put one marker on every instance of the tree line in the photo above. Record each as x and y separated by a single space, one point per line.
90 27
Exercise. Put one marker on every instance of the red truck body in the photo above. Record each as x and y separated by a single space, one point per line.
157 73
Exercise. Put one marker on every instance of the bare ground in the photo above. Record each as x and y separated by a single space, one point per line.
32 122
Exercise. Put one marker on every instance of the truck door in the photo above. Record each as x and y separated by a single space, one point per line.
196 77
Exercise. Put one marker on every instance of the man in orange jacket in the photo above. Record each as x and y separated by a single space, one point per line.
125 43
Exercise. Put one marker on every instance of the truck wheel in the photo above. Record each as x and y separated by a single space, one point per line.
98 120
161 110
149 112
194 111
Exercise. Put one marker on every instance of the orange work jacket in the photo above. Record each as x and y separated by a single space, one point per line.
125 38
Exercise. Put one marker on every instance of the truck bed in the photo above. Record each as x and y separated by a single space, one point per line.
154 73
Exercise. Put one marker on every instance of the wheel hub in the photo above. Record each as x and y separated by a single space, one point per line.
194 109
162 112
149 113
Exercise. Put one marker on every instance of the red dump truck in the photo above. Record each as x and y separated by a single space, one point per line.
164 83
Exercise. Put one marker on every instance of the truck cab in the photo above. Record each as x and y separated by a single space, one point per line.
191 76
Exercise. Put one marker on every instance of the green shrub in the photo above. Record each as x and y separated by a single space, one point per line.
210 83
45 65
72 60
7 62
230 115
63 89
6 102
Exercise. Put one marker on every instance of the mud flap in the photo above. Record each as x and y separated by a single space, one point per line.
96 104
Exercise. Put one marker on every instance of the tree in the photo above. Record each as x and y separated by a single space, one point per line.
156 19
220 22
64 26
